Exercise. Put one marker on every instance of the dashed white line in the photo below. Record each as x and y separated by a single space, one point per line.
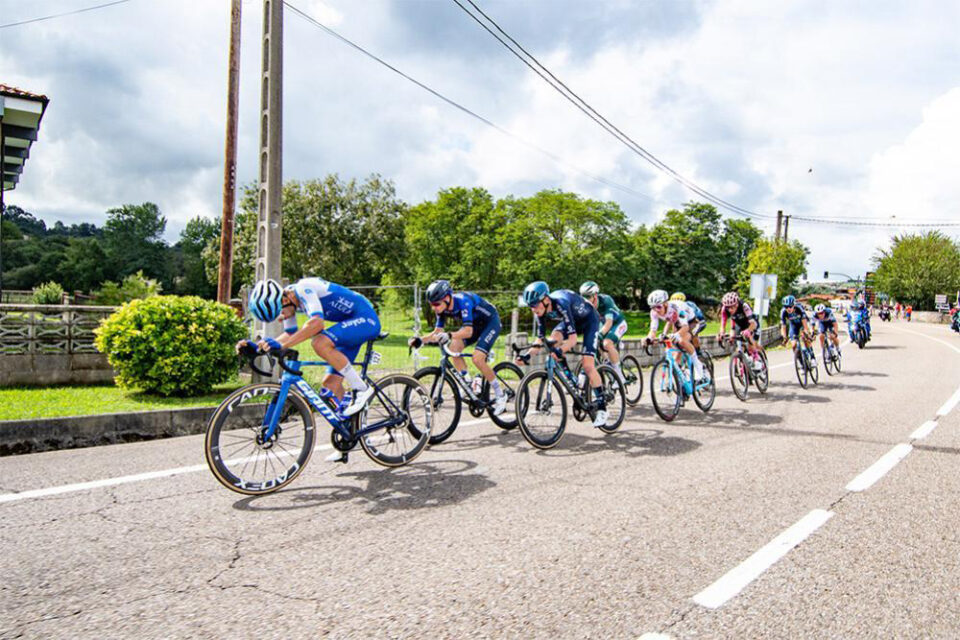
949 404
735 580
879 468
923 430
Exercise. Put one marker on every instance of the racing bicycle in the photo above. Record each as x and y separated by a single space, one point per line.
262 435
742 371
672 382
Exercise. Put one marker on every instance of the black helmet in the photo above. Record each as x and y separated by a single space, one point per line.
438 290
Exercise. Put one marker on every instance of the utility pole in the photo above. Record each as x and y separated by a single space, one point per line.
786 227
779 223
230 159
269 214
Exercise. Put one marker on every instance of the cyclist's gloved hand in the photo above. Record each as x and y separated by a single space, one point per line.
247 347
443 338
269 344
415 343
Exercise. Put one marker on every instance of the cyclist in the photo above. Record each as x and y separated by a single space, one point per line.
826 325
742 322
354 321
794 321
614 324
480 325
698 321
574 316
678 317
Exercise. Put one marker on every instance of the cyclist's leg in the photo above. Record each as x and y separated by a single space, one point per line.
458 345
590 345
340 345
685 342
483 338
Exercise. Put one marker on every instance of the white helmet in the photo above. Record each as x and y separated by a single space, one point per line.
266 300
657 297
820 308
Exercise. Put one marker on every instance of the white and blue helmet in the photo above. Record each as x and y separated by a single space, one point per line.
266 300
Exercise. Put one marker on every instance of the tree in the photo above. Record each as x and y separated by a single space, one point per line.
786 259
133 241
83 265
917 267
194 238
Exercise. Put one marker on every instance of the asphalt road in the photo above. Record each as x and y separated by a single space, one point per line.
750 521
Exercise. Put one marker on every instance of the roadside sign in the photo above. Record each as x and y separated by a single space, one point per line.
940 299
763 286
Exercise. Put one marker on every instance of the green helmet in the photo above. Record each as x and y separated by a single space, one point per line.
589 289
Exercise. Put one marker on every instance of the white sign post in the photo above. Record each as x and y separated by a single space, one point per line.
763 287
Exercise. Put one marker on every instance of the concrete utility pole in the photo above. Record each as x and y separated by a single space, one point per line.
270 215
779 223
786 227
230 159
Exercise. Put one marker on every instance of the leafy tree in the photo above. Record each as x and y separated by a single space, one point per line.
134 287
83 265
133 240
786 259
194 238
917 267
48 293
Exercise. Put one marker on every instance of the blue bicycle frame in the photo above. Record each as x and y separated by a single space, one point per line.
670 354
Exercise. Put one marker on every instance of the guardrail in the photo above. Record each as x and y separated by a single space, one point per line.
49 329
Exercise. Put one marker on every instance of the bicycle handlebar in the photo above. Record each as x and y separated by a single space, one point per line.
251 353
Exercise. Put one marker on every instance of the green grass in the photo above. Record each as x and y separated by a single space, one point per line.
25 403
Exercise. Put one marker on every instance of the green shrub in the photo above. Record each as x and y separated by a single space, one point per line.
170 345
48 293
134 287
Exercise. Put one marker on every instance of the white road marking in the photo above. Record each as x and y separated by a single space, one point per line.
139 477
949 404
735 580
923 335
879 468
654 636
924 430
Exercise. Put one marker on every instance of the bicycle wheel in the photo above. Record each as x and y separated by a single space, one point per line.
707 361
234 447
666 391
839 358
705 393
827 361
633 379
541 410
445 402
614 396
762 379
739 376
509 376
813 367
401 399
800 367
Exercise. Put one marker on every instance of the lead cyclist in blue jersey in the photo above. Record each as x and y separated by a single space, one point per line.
574 316
793 319
323 302
480 325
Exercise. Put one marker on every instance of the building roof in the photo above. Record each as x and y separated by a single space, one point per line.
20 115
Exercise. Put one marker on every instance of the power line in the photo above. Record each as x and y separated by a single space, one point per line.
561 88
458 106
66 13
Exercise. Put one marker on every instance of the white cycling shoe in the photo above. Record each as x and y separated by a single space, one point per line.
601 419
359 401
500 405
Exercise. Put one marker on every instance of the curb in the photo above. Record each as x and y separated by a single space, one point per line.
72 432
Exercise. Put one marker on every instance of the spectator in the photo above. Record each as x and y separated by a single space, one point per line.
898 311
907 312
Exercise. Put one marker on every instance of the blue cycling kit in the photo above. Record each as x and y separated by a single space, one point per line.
475 312
357 320
575 316
793 320
827 322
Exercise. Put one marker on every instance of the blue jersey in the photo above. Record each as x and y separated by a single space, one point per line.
573 314
332 302
796 317
697 313
472 310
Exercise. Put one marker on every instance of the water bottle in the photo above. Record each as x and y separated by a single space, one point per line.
581 380
477 384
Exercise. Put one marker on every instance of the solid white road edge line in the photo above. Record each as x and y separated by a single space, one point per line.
923 430
735 580
139 477
879 468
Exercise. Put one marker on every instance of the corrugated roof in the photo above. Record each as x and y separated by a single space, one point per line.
13 92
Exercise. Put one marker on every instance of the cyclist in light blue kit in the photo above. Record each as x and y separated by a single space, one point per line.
826 325
323 302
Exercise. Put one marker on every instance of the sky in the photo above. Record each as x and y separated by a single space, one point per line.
816 108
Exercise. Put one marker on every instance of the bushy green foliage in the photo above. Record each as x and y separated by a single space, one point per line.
786 259
48 293
917 267
170 345
135 286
